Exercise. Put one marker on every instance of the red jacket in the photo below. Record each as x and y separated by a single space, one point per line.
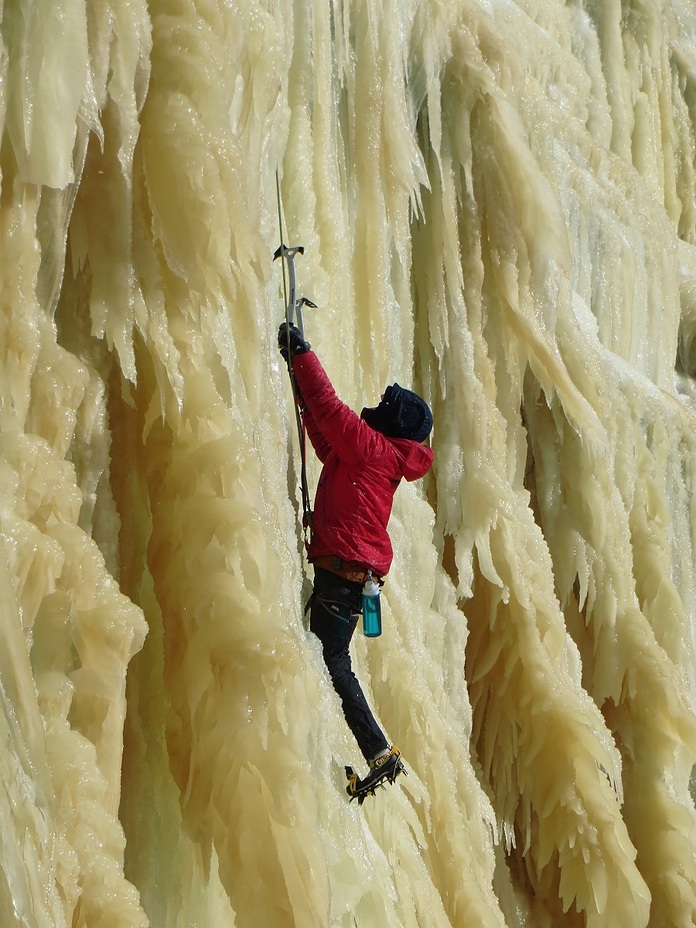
362 469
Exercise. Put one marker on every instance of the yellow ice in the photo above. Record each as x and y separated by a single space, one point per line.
496 201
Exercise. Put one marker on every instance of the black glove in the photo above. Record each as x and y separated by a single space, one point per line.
290 333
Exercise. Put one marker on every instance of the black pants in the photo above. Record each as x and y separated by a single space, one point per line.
336 607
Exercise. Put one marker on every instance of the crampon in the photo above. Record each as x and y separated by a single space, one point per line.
379 776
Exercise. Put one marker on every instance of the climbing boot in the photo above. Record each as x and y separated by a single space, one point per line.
384 770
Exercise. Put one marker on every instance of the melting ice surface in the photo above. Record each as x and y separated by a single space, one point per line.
497 205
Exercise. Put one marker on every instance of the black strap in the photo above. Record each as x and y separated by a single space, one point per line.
291 306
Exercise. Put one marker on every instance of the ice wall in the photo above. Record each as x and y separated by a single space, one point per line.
497 205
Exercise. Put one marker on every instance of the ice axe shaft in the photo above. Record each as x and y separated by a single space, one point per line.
293 309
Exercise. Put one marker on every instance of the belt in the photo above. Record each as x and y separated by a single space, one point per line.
349 570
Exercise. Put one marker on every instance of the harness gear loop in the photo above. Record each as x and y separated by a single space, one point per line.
293 310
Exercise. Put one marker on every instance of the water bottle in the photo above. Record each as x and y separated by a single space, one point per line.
371 609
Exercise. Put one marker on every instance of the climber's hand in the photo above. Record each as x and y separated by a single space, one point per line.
290 336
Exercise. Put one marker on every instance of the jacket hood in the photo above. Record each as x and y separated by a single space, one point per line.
414 458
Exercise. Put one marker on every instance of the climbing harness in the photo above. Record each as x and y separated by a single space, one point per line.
293 316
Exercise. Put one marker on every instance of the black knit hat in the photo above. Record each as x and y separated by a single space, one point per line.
401 414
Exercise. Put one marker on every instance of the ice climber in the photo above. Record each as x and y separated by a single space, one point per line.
364 459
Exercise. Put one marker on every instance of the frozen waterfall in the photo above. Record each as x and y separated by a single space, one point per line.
497 202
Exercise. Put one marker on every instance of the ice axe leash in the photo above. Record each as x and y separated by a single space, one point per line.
293 316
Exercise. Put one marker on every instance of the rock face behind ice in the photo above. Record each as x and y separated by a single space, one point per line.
497 206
